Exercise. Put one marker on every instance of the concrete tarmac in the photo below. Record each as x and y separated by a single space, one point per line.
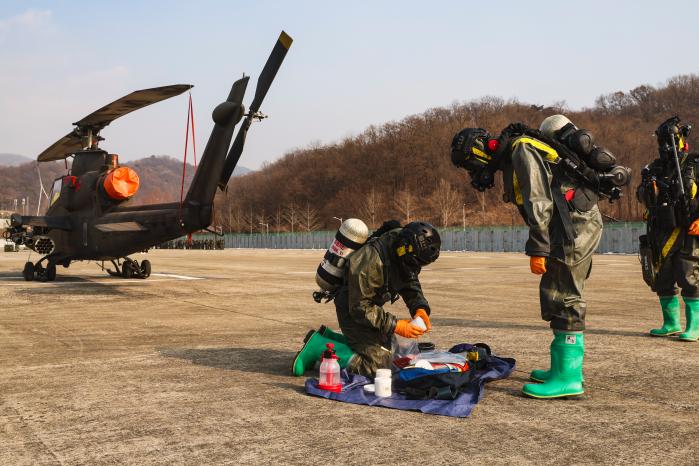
191 366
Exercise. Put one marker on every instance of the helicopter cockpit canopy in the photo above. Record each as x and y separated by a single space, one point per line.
55 190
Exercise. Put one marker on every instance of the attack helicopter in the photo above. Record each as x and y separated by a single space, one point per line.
89 215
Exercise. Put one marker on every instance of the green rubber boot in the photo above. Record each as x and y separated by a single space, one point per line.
691 310
312 351
565 378
670 306
540 375
326 332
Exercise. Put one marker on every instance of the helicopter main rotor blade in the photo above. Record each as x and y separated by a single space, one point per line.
64 147
129 103
72 142
264 82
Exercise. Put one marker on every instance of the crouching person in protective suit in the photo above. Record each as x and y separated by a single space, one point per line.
670 249
563 233
383 269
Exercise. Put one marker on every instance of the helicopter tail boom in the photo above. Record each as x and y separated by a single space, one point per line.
226 115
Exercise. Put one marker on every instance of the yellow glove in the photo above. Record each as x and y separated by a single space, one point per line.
421 313
405 329
694 228
537 265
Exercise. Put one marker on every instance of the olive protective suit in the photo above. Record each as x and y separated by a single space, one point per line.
374 277
531 174
565 226
675 249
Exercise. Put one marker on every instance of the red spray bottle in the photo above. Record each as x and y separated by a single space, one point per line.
330 371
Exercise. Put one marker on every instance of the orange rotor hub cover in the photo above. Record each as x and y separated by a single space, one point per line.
121 183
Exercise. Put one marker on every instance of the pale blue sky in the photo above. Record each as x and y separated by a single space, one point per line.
352 64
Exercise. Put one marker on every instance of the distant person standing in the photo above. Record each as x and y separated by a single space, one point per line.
565 227
670 249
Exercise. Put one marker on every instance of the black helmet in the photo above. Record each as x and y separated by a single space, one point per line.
418 244
469 148
474 150
672 132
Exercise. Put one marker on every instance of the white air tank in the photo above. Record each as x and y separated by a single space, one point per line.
352 234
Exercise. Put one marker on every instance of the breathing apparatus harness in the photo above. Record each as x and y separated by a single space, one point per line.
593 166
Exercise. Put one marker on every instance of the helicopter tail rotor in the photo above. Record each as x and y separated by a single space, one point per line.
264 82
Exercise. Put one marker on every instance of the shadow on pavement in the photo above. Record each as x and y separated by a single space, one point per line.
259 360
447 321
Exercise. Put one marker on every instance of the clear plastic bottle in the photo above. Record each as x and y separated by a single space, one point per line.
329 376
407 347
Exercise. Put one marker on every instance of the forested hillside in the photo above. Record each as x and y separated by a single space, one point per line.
402 169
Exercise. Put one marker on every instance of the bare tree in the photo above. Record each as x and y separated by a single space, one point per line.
446 200
249 220
262 222
278 219
291 215
404 203
370 207
310 218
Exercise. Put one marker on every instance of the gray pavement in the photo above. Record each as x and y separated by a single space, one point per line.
171 370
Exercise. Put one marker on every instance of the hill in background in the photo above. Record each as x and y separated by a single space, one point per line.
12 160
402 169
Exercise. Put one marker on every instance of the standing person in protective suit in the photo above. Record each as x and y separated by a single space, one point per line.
383 269
565 227
669 250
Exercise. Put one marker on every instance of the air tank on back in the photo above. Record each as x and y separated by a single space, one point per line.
352 234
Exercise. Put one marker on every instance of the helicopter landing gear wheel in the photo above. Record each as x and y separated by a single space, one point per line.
50 272
145 269
28 271
127 269
40 272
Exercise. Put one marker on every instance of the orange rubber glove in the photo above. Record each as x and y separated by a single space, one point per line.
405 329
537 265
694 228
421 313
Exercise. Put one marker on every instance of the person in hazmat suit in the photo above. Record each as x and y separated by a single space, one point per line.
563 233
670 249
384 268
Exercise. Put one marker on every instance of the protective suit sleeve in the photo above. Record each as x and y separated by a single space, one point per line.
534 178
365 276
413 297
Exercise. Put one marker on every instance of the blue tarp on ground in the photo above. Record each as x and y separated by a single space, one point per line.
353 392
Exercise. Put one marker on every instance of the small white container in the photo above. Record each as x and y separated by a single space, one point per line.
382 387
419 323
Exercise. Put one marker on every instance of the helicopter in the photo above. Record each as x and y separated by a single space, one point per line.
89 215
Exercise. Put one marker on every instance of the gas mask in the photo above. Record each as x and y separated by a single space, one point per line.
671 132
417 245
474 150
